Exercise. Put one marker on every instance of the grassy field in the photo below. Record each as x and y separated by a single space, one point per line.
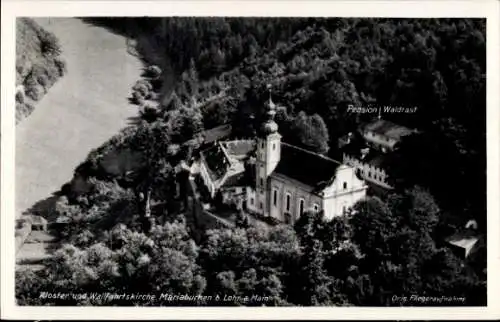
80 112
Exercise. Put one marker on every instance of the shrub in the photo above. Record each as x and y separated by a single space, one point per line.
137 93
20 97
23 110
35 92
157 84
149 105
28 108
61 66
43 80
142 89
153 71
138 98
145 83
52 73
49 45
149 113
30 82
153 96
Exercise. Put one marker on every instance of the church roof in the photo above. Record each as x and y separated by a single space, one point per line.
305 166
216 133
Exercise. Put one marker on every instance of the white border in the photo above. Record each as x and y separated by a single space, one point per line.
11 9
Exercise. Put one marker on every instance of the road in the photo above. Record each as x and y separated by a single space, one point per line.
79 113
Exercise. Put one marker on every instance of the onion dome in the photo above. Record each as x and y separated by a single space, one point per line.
269 126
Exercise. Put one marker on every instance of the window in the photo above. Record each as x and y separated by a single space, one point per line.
251 201
288 197
343 210
261 181
262 144
301 207
275 197
288 218
274 146
316 207
260 205
345 185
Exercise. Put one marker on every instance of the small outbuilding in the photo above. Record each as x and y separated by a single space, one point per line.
463 244
38 223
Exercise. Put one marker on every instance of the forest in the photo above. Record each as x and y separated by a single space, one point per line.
216 71
317 67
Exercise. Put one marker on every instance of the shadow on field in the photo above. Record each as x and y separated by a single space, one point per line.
123 26
135 120
45 207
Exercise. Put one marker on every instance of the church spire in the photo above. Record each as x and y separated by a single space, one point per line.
269 126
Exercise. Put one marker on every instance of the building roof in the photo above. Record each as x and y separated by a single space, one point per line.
354 148
227 156
236 180
376 159
38 220
216 162
216 133
465 240
388 129
373 157
305 166
63 219
239 148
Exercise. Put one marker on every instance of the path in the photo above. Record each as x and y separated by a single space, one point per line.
79 113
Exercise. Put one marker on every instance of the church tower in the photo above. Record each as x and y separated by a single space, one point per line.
268 155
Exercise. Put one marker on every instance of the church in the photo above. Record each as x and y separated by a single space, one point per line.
271 178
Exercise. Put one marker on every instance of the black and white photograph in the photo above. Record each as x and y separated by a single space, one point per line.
250 161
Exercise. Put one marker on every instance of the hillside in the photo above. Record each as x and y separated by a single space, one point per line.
129 230
322 66
38 65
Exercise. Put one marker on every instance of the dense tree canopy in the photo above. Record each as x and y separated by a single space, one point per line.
321 66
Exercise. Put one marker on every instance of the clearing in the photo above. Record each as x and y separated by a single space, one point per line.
79 113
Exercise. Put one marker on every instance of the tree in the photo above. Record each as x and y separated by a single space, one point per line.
395 239
29 285
322 246
445 274
239 259
314 282
416 208
49 44
164 261
153 141
173 103
373 225
310 132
